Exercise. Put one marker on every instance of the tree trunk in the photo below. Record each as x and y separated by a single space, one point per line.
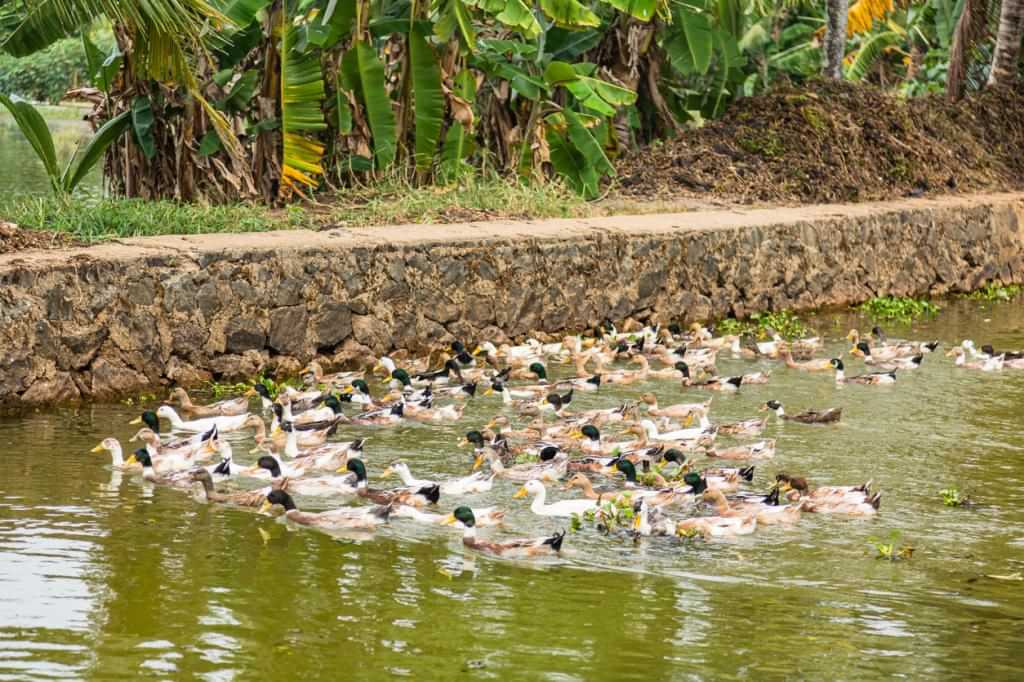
1005 61
835 37
971 29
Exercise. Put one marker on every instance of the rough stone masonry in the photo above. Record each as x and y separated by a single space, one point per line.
131 315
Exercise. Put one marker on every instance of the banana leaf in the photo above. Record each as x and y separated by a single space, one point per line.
428 98
363 74
84 160
33 127
302 92
569 14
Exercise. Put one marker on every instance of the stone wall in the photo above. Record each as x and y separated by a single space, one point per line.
132 315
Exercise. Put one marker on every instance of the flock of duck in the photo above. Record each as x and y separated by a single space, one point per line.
652 459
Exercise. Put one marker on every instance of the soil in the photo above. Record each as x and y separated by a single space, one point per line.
836 142
14 238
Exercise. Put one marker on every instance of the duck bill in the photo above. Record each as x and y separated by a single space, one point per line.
449 520
477 351
478 462
131 460
636 522
347 389
856 352
387 472
488 392
250 393
136 421
265 507
522 492
98 448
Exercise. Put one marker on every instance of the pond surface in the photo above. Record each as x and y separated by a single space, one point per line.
103 576
21 172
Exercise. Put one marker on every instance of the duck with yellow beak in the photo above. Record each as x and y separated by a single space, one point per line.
344 518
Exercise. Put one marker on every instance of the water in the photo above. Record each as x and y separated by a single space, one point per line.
102 576
23 173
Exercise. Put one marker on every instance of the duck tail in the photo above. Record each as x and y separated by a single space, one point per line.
431 492
384 511
555 541
876 500
931 346
866 487
224 468
735 381
747 473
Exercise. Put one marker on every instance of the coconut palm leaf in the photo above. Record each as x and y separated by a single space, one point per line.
302 91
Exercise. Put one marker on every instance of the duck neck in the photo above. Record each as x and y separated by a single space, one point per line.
539 501
291 445
184 400
840 376
779 412
172 416
469 533
207 486
406 476
117 455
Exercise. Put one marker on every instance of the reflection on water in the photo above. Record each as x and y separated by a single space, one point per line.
101 577
23 173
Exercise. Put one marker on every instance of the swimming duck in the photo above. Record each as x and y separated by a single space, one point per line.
474 483
416 497
715 383
704 430
767 510
223 424
299 483
678 411
561 508
547 470
812 365
829 416
990 364
313 374
872 378
252 498
888 361
525 547
345 518
486 516
849 500
231 407
764 449
178 454
112 446
746 427
387 416
141 456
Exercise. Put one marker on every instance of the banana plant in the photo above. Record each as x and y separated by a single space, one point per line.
33 127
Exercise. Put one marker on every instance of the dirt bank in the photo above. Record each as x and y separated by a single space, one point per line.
837 142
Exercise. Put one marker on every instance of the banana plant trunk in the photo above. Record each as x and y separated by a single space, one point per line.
835 37
1006 60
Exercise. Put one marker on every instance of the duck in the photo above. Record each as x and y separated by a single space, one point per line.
222 408
829 416
586 486
387 416
763 449
416 497
113 447
848 500
745 427
707 526
561 508
449 373
260 389
485 516
253 498
177 454
705 429
766 510
425 412
677 411
889 361
989 364
551 469
474 483
910 347
1009 356
715 383
296 480
152 422
884 352
872 378
345 518
313 374
223 424
316 417
811 365
522 547
149 473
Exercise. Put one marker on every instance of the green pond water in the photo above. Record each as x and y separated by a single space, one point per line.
102 576
21 172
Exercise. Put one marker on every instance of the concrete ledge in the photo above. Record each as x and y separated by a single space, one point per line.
125 316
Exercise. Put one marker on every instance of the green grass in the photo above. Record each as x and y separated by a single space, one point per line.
394 200
787 323
390 202
898 308
993 291
92 220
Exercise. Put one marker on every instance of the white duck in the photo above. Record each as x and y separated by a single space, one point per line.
474 483
223 424
560 508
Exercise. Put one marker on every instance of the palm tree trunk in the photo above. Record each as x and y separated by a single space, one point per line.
1006 59
835 37
971 29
